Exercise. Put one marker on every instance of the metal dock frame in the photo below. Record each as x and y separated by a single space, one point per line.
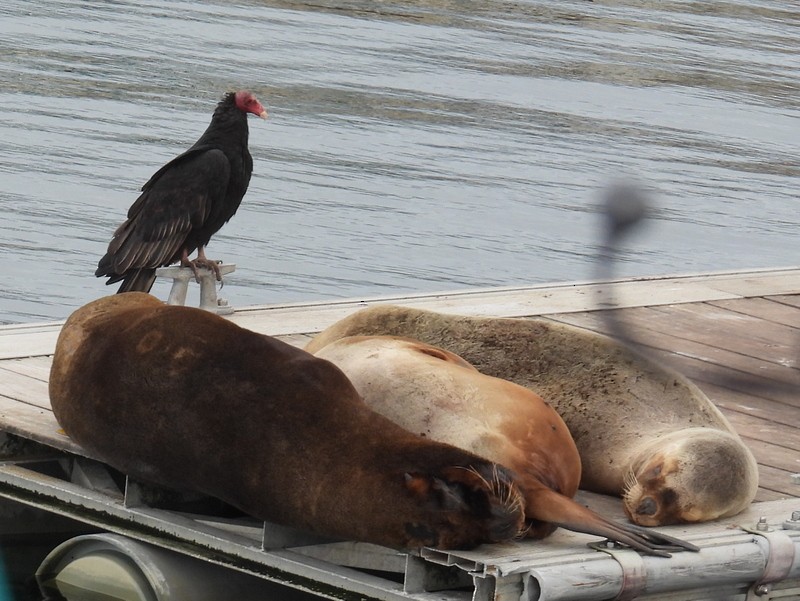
761 561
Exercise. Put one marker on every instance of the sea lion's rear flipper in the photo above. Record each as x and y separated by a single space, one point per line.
549 506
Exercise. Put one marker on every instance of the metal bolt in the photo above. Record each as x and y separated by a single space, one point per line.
762 524
795 478
762 589
222 302
793 523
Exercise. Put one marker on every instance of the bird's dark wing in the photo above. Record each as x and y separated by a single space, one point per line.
176 200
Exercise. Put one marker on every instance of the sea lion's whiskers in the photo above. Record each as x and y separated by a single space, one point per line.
508 492
523 533
629 481
513 499
505 489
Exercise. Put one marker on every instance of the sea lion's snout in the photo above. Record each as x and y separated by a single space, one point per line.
647 506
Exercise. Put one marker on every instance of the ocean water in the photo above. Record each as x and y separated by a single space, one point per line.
411 147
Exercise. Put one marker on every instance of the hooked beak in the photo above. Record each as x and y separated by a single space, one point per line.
263 114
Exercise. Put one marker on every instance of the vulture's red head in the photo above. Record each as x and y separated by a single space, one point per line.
248 103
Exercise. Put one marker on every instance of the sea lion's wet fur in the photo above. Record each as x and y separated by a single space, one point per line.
184 398
617 404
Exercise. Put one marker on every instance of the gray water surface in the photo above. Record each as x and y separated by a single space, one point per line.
412 147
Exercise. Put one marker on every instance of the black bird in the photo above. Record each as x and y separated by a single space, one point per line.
186 201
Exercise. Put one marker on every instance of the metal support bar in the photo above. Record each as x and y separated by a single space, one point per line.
276 536
16 449
634 572
779 549
181 276
424 577
506 588
169 530
94 476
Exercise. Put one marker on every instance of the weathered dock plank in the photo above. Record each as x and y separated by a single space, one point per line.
30 340
659 330
34 367
786 299
733 330
20 387
741 402
767 308
35 423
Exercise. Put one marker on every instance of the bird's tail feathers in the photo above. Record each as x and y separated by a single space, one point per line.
137 280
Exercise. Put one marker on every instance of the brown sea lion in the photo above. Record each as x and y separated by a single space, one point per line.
436 394
644 432
183 398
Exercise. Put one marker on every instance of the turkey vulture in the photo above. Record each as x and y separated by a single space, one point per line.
186 201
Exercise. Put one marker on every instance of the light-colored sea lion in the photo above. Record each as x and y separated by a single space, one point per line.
436 394
183 398
643 431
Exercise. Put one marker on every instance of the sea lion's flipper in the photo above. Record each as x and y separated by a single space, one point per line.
549 506
665 541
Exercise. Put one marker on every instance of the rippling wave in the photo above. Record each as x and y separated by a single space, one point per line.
412 147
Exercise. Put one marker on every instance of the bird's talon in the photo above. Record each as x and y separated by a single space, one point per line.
214 266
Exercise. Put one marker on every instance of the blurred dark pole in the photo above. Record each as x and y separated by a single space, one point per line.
625 207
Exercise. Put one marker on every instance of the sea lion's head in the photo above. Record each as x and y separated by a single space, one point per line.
690 475
465 507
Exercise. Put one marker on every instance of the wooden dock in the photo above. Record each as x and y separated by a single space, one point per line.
736 335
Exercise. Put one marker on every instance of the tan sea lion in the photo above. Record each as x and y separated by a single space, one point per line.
436 394
644 432
183 398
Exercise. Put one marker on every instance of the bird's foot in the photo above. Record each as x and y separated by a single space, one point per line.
199 263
